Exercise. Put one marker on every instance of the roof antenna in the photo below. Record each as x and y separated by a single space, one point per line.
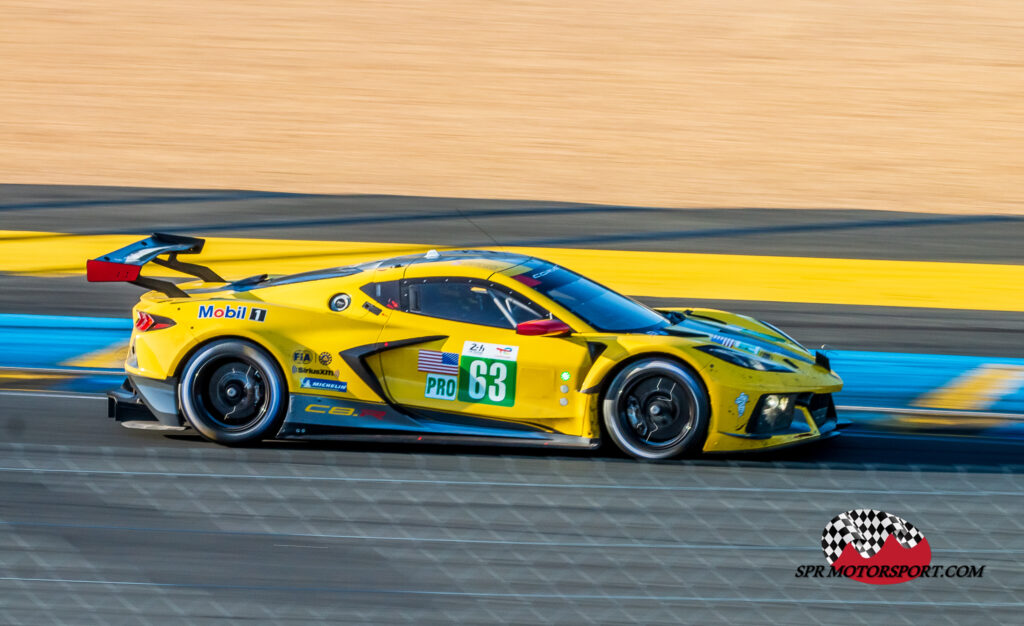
478 227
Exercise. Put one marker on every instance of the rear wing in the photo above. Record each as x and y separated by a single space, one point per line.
125 265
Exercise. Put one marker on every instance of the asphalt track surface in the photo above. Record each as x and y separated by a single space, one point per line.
101 524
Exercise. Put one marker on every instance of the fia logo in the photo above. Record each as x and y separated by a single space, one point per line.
303 357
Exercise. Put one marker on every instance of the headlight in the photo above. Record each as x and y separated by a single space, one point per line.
750 361
773 413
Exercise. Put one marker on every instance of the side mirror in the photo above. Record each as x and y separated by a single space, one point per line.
543 328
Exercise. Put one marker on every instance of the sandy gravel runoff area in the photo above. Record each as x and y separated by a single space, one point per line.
878 104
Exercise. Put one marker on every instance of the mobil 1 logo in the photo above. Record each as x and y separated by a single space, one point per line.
441 387
487 373
232 312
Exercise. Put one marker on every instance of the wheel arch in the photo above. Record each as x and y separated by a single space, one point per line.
212 432
186 356
609 375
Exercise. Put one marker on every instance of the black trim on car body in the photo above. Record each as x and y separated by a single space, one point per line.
355 358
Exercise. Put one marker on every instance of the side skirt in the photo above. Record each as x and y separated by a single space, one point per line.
321 417
557 441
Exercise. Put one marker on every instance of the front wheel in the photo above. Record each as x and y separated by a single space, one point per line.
656 409
232 392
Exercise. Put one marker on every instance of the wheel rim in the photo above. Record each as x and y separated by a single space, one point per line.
231 393
657 410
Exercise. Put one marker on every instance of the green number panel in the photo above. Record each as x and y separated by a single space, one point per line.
487 381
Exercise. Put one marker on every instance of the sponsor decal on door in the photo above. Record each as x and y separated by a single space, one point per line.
487 381
490 350
441 387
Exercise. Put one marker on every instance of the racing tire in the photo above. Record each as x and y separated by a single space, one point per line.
656 409
233 392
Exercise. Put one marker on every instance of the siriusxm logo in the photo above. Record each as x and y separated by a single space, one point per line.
298 369
207 311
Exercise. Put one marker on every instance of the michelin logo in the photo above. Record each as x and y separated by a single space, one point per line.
229 312
328 385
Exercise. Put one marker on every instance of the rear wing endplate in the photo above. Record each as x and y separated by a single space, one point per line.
125 265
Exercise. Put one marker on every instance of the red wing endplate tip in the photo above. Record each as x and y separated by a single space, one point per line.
97 271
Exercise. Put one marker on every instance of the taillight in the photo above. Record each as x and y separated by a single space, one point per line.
147 322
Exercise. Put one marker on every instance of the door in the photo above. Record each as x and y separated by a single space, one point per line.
470 361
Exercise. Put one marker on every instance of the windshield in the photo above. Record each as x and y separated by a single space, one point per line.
602 308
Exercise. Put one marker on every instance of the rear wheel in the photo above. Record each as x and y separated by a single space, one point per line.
656 409
232 392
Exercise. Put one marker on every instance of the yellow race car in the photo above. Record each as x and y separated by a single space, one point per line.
460 346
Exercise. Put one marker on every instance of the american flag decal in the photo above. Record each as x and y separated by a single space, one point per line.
437 362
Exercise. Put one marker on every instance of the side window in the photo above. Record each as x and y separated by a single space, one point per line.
468 300
455 299
385 293
517 310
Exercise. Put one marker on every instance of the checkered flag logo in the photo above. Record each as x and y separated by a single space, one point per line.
867 530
